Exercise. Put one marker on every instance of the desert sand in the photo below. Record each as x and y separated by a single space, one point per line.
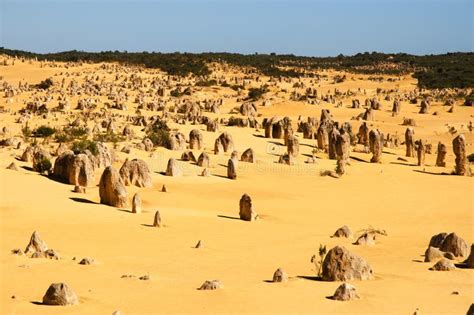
298 210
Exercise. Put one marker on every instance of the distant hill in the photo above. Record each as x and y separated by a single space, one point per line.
451 70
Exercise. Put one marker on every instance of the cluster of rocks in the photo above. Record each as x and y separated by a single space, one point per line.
445 248
37 248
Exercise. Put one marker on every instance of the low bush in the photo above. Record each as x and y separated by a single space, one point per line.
44 131
43 165
257 93
82 145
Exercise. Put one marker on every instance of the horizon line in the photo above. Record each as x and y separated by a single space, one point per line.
234 53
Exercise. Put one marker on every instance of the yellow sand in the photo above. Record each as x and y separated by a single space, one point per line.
299 210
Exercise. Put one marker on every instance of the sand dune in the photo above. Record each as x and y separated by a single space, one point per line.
298 208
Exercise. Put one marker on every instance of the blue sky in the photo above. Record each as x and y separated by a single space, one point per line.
301 27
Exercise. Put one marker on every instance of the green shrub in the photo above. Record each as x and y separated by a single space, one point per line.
159 133
61 137
158 125
46 84
77 132
82 145
43 165
70 133
257 93
160 138
318 264
44 132
26 132
206 83
108 137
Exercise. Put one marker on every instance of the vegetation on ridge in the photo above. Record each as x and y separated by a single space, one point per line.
451 70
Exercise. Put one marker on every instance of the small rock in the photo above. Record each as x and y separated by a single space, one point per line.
211 285
199 244
87 261
343 231
145 277
280 276
79 189
50 254
432 254
12 167
366 239
345 292
18 251
443 265
205 173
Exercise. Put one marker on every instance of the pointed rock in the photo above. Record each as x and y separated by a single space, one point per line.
36 244
232 169
136 203
87 261
157 221
12 167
